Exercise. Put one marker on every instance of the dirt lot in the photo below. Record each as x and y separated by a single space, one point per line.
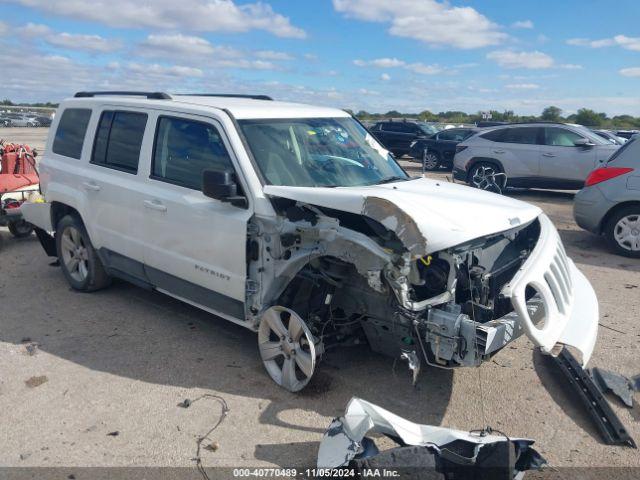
75 368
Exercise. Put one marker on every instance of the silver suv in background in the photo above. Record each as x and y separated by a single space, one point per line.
536 155
610 202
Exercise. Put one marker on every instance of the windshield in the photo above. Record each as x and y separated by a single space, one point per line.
319 152
428 129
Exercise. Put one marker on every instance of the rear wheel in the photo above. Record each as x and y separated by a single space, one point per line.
623 231
431 161
486 176
79 261
20 228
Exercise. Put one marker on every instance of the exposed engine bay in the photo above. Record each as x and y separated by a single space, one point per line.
352 280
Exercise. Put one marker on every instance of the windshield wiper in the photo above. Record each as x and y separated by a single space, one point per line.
395 178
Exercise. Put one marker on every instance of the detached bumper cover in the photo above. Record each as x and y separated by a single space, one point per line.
438 449
565 308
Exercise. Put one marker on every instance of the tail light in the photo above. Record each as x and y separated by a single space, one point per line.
603 174
460 148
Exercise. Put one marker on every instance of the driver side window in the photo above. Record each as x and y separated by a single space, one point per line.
184 148
560 137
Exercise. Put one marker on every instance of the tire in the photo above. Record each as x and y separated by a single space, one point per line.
432 161
20 229
79 261
624 240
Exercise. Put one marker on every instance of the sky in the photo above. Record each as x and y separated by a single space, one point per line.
375 55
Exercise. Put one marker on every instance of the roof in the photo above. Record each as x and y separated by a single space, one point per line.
239 107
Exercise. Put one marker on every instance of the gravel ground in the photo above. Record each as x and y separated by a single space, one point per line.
75 368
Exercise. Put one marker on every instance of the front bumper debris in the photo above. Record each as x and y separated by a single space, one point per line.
568 311
424 451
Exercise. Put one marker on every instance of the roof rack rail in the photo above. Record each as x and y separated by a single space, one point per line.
227 95
149 95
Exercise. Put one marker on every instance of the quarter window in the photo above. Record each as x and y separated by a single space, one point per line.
184 149
119 140
71 131
560 137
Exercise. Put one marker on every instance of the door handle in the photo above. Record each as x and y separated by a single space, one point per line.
94 187
548 155
155 205
498 151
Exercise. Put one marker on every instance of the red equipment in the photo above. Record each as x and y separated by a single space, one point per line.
17 167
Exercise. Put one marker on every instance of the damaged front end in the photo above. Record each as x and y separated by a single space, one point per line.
423 451
367 273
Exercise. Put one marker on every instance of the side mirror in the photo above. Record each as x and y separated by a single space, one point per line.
221 185
583 142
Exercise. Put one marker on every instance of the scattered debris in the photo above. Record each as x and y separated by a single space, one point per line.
620 385
414 363
611 328
630 286
34 382
31 348
610 426
213 446
113 434
25 340
447 452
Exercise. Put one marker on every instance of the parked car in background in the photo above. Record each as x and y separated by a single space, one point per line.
396 136
24 121
532 155
440 147
43 121
611 136
627 133
609 204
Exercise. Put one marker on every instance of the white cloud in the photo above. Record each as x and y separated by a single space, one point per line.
429 21
91 43
526 24
4 28
628 43
172 70
189 15
630 72
385 77
273 55
194 50
416 67
530 60
522 86
69 41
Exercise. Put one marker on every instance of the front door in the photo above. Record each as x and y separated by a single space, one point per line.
195 245
562 163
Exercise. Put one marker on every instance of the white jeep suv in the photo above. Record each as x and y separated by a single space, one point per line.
293 221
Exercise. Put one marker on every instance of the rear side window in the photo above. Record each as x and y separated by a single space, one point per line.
119 139
521 135
494 135
184 148
70 132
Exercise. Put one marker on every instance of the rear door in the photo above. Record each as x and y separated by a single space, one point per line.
195 246
112 185
562 163
518 150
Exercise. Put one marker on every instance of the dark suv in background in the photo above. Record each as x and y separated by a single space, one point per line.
397 136
440 147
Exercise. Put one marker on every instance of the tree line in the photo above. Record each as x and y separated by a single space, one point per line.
584 116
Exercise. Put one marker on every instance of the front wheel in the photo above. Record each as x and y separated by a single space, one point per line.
80 263
623 231
20 228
